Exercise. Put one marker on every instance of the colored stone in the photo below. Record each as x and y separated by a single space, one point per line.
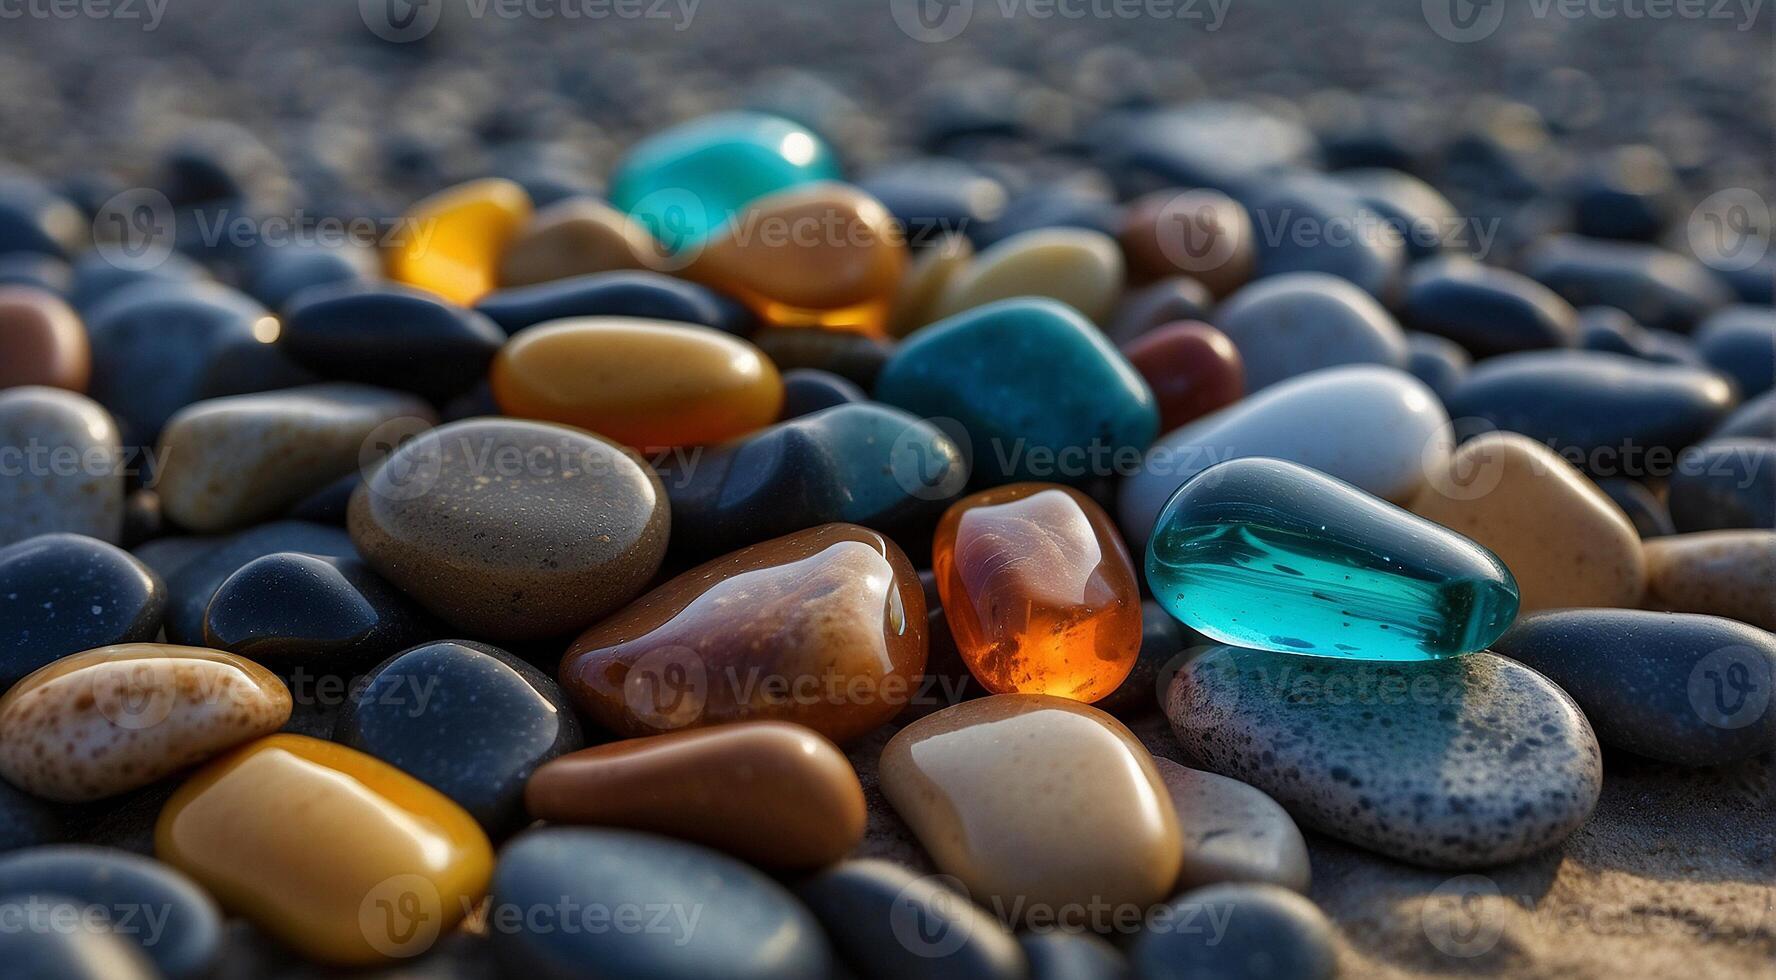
1659 289
1739 341
55 936
575 237
1724 483
855 357
104 722
824 628
513 530
1075 266
42 341
772 794
65 473
689 182
228 462
1439 362
314 613
264 829
888 922
1486 309
95 278
1268 554
1565 542
1720 573
1289 325
808 390
927 277
1039 591
194 568
1039 391
452 242
1233 832
1192 368
1310 222
35 219
1685 689
275 274
745 926
391 336
1376 428
1036 804
1463 762
643 383
469 720
1266 933
644 295
1424 219
61 594
1203 234
1058 955
1150 307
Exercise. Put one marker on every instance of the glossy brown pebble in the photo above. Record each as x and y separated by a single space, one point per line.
824 627
1721 573
513 530
109 720
1192 368
1203 234
575 237
775 794
42 341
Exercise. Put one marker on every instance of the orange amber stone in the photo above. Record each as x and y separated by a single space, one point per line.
452 242
1039 591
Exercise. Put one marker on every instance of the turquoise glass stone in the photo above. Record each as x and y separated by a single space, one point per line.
1268 554
688 182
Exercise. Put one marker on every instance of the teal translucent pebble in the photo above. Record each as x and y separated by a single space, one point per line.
688 182
1268 554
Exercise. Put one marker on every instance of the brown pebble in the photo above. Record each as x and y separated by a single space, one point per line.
1203 234
42 341
576 237
1720 573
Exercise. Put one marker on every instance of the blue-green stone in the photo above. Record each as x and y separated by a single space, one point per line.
1263 553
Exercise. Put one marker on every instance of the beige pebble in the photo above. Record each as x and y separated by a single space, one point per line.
1077 266
927 276
1720 573
576 237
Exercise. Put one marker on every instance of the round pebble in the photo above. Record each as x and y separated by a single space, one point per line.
1487 310
1192 368
1080 268
68 475
42 341
575 237
1232 831
1290 325
1724 483
390 336
1740 341
1264 933
888 922
1721 573
638 294
313 613
1202 233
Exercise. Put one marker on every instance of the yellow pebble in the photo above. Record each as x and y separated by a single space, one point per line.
451 243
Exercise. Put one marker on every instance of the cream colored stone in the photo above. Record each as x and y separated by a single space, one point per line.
1077 266
1720 573
927 276
576 237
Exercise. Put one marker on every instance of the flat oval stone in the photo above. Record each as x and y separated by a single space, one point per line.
746 926
1154 306
1233 832
1036 804
1072 956
1039 591
1289 325
511 529
104 722
1463 762
1075 266
194 568
68 473
1268 554
1565 542
1630 192
391 336
643 295
1739 341
54 936
644 383
772 794
228 462
575 237
61 594
1439 362
42 341
889 922
808 390
1691 690
1192 368
1486 309
1039 391
1659 289
1310 222
1265 933
469 720
824 628
1200 233
411 866
1724 483
1376 428
124 887
316 613
454 239
1721 573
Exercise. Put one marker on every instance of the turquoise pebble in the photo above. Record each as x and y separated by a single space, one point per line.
1263 553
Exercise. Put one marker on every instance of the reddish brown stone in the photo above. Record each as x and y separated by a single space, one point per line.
1203 234
42 341
1192 367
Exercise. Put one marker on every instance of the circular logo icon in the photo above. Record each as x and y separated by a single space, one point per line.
1730 687
394 465
667 688
928 464
401 21
1470 475
135 696
926 916
135 229
677 219
1458 919
401 916
932 21
1730 229
1464 21
1192 235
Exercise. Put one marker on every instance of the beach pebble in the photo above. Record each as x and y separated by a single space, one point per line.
1192 368
42 341
1659 289
1462 762
1723 484
1232 831
274 274
1740 341
888 923
1238 932
392 336
1425 220
1199 233
53 936
1075 266
575 237
1439 362
1629 192
1721 573
808 390
456 237
644 295
69 472
195 567
316 613
1150 307
1645 510
1288 325
1061 955
1309 222
61 594
1755 419
1485 309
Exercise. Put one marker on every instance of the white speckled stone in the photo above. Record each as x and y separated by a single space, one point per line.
60 466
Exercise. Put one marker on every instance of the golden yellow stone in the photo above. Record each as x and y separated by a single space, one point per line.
576 237
451 243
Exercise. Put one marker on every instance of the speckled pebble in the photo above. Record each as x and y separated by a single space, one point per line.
1721 573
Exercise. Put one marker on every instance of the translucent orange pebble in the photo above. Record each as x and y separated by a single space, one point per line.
452 242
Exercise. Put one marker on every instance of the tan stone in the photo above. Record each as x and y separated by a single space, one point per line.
1720 573
927 277
1077 266
576 237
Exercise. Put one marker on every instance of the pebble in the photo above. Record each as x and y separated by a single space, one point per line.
194 568
35 219
1289 325
1659 289
1424 219
188 944
467 719
1202 234
1192 368
52 936
228 462
313 613
107 721
928 275
42 341
1643 507
67 476
26 821
1264 933
1039 391
1686 689
260 828
1311 223
935 197
1439 362
95 278
1073 956
1075 266
1464 762
1629 192
1038 805
451 243
1738 341
1486 309
1376 428
1039 591
1233 832
1723 484
808 390
61 594
1564 540
1163 646
392 336
1150 307
1720 573
856 357
639 294
513 530
276 274
770 793
578 236
643 383
824 628
746 926
1756 419
889 923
